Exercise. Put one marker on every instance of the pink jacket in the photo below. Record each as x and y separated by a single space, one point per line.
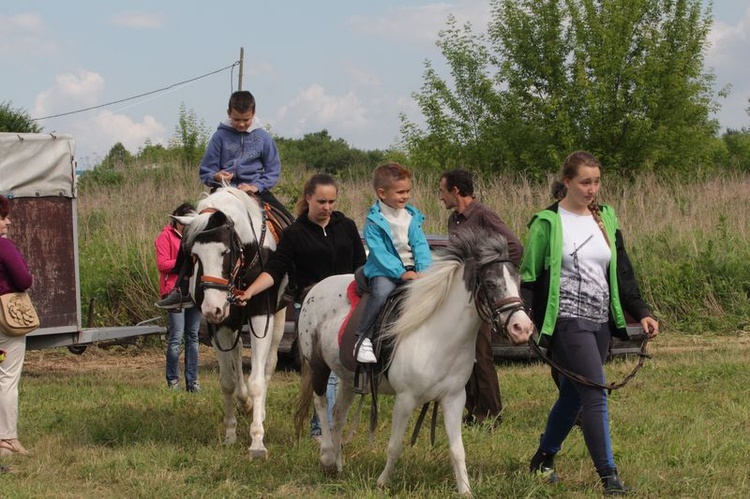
167 245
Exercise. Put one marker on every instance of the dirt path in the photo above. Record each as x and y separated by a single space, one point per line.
152 357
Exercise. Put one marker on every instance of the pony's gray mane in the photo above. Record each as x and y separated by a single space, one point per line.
468 251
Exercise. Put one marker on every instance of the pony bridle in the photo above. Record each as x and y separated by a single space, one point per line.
236 255
492 312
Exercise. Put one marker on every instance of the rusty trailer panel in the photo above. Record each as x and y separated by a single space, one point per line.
48 242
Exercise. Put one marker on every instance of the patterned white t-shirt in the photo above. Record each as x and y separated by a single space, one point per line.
399 220
584 291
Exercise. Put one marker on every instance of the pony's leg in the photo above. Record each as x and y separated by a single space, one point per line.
327 454
344 399
231 382
279 321
402 409
261 341
452 410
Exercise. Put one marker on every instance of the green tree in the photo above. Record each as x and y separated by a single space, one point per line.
191 136
16 120
624 79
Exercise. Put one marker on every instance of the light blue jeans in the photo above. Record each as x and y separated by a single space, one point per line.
333 383
183 325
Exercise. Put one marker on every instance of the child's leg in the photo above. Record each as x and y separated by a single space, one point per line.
380 288
179 296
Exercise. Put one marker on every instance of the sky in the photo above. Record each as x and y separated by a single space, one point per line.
347 66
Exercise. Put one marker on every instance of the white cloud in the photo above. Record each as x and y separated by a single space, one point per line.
24 34
99 133
312 109
95 131
727 57
139 20
421 23
70 92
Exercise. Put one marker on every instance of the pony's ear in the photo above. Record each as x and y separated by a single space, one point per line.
184 219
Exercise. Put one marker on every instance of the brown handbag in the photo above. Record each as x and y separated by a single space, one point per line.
17 314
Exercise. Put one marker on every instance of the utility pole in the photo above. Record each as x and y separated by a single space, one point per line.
242 62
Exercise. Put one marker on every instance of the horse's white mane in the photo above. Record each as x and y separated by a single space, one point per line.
236 205
468 250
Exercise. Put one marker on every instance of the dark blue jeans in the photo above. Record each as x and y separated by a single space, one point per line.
581 346
380 288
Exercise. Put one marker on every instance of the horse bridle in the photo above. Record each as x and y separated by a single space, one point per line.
491 313
233 284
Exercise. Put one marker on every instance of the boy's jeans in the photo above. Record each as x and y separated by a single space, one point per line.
380 288
183 325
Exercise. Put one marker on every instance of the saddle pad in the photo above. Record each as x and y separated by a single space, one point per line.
347 332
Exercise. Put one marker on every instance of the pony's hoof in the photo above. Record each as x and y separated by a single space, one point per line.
329 471
258 454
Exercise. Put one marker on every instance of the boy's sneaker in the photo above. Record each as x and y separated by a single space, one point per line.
365 354
194 387
173 385
174 299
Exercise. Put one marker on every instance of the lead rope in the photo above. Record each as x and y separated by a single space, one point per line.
642 356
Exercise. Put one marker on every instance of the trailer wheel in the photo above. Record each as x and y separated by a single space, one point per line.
77 349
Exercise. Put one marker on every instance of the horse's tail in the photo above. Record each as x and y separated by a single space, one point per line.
304 399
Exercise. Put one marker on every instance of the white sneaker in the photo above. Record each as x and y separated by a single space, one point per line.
365 355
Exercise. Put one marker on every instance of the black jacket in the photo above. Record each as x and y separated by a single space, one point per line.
309 253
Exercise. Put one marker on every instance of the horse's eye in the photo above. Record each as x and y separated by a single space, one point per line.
225 252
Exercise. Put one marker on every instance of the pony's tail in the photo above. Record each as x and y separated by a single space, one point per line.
304 398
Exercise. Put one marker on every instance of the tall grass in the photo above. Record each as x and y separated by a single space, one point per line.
104 425
689 241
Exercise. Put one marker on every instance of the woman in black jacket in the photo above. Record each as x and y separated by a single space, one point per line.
320 243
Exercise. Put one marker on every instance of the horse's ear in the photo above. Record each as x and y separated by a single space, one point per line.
184 219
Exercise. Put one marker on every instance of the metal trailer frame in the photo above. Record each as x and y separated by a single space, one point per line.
37 174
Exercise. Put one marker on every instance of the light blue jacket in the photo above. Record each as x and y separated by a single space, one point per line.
383 259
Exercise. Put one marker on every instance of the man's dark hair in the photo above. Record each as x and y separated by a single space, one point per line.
242 101
461 179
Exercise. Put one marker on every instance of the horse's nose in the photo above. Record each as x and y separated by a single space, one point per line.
519 331
213 314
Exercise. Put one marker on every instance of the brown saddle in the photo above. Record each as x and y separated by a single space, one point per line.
277 221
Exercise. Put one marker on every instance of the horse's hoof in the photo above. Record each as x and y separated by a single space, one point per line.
329 471
258 454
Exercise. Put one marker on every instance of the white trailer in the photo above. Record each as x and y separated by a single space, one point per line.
37 174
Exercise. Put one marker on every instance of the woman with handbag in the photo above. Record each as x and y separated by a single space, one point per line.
14 277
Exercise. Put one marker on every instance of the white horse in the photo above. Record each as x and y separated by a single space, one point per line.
229 241
434 340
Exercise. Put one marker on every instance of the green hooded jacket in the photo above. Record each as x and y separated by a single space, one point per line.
540 273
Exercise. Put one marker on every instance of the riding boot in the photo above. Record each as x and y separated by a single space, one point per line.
543 464
612 484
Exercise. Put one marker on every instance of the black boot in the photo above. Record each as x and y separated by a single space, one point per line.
543 464
612 484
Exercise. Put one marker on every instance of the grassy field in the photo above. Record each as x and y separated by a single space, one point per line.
104 425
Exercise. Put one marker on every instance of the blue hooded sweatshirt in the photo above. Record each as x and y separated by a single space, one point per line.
252 156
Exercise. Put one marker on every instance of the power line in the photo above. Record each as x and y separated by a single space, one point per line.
136 96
